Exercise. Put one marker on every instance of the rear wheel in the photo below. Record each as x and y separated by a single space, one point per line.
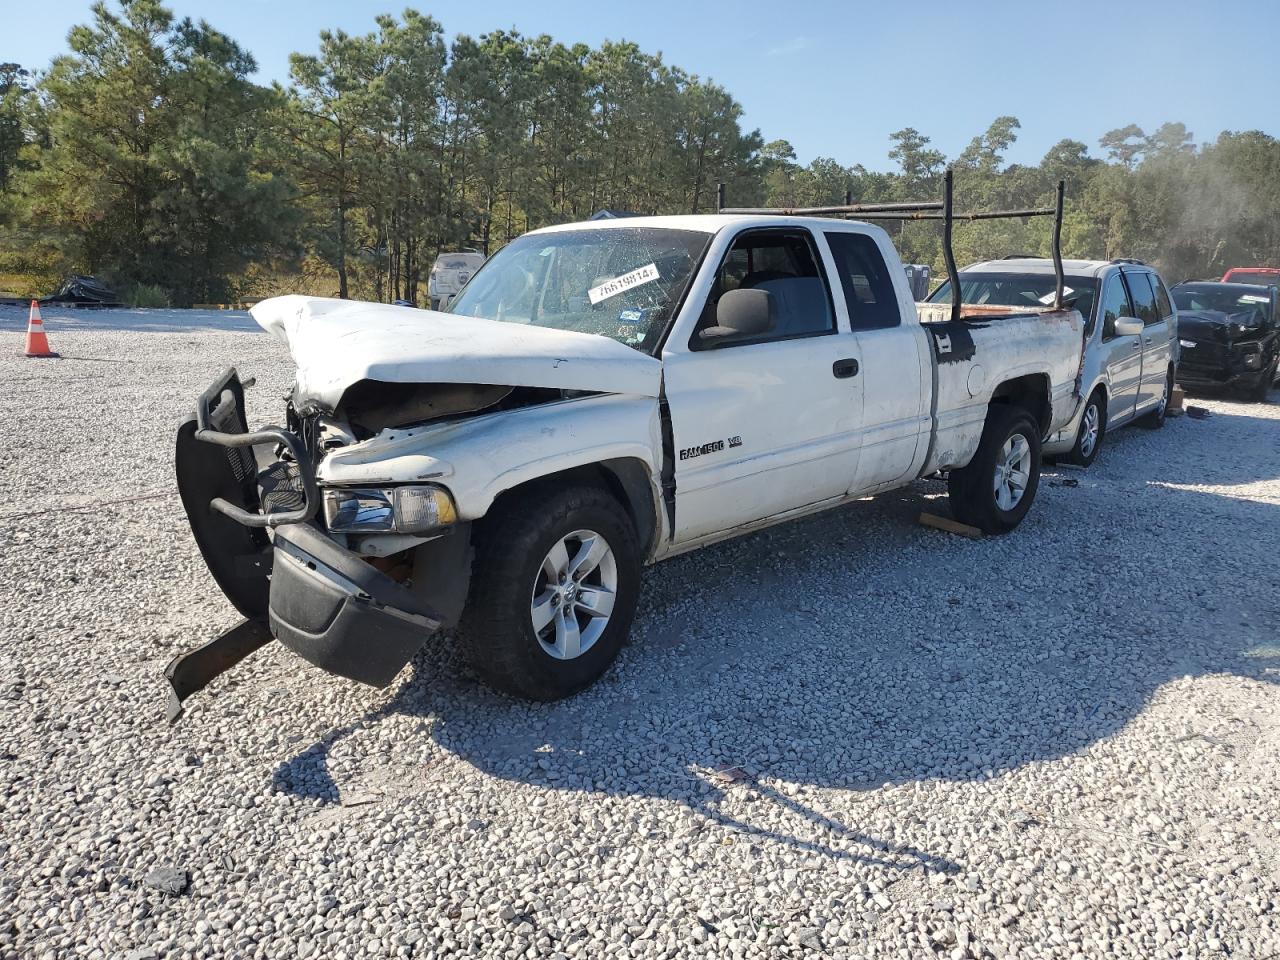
1160 415
1093 428
996 489
554 591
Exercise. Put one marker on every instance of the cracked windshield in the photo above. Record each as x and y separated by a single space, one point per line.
621 283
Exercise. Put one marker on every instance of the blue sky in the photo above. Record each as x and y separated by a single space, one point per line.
836 78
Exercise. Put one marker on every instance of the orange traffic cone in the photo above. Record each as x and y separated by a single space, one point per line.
37 342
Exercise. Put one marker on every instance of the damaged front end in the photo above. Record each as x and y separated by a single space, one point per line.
1220 349
254 507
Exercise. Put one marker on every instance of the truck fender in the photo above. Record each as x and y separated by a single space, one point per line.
628 479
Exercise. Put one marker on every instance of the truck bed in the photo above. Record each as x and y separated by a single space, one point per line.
990 346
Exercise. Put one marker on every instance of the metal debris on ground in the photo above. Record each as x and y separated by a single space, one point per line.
173 881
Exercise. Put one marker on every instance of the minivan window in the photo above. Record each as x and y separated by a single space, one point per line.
1144 299
1162 297
868 288
1113 305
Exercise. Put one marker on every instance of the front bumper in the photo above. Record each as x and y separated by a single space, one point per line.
316 597
1208 363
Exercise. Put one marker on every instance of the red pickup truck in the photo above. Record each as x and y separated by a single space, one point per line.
1267 276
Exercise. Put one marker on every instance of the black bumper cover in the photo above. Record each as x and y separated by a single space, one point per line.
339 613
1202 375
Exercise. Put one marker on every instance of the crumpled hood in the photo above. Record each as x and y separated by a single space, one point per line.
336 343
1211 324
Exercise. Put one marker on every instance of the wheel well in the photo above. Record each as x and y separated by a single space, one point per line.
1101 391
1030 392
625 479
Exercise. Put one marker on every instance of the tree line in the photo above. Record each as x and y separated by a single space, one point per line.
147 155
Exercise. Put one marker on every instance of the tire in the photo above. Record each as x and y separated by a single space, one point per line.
514 549
1091 433
1259 391
973 489
1158 417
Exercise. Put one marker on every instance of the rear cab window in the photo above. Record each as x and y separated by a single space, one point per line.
864 276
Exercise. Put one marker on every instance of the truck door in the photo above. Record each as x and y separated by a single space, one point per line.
767 423
1121 355
895 397
1156 335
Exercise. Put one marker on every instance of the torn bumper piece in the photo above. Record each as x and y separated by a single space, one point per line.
319 599
339 613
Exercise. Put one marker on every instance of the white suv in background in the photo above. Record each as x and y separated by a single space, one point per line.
1131 337
449 274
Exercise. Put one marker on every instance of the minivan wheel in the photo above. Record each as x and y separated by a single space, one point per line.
1160 415
996 489
553 591
1093 427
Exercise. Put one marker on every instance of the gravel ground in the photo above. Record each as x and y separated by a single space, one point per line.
848 737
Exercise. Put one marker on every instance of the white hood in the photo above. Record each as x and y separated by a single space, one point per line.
336 343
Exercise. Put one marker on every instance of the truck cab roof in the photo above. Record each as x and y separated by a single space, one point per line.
710 223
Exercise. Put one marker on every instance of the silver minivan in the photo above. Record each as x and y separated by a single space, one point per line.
1130 332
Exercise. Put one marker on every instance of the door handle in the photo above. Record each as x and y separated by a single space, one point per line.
843 369
1137 344
1148 340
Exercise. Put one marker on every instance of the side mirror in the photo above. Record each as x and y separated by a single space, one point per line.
741 314
1128 327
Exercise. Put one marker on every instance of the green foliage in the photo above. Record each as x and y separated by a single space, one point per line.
145 295
150 174
146 155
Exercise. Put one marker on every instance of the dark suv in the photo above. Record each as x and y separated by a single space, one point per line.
1229 336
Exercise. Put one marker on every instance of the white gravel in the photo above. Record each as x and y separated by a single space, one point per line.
847 737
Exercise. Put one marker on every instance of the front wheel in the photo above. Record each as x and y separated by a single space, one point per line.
996 489
553 591
1259 391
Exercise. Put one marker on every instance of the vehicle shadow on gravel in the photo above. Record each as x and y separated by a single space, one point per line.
855 651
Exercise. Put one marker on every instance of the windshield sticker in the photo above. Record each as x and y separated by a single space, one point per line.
631 316
1048 297
628 281
1253 298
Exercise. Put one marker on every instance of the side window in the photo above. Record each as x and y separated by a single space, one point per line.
785 264
1163 303
868 287
1144 298
1113 305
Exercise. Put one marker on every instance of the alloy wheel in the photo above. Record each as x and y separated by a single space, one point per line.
573 594
1013 472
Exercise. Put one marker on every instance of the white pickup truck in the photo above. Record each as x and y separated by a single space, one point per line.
600 396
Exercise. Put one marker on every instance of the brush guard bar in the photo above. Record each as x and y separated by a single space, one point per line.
206 405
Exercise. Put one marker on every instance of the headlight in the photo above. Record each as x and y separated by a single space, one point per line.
390 510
